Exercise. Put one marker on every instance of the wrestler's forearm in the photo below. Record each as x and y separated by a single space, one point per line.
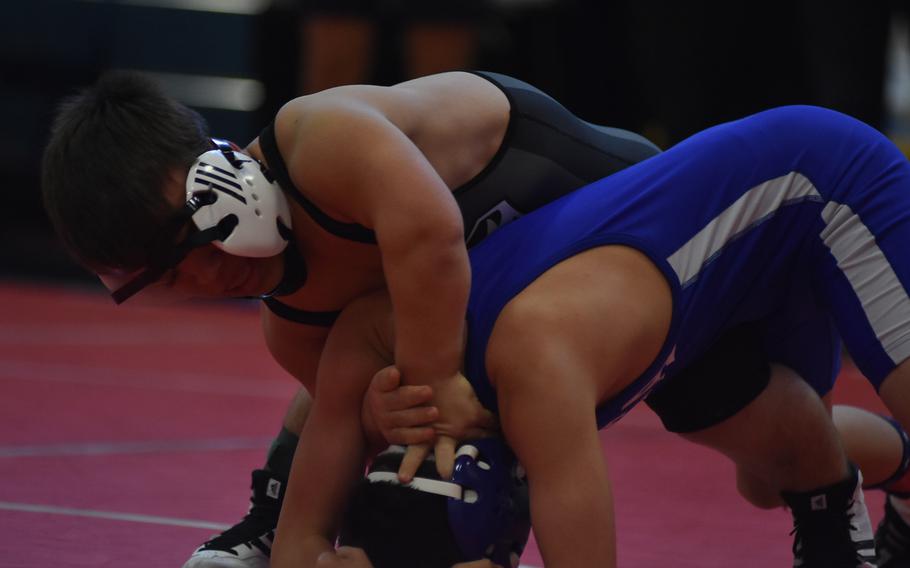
303 531
328 462
316 492
429 286
572 514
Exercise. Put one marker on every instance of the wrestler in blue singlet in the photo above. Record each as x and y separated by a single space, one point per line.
794 219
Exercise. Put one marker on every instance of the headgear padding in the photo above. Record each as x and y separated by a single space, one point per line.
245 190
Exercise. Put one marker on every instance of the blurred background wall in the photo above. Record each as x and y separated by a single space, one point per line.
663 68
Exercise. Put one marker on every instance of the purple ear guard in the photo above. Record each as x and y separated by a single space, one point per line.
492 519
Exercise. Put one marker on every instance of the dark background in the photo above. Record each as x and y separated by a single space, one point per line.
666 69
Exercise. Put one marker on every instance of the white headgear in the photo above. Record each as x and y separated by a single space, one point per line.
242 188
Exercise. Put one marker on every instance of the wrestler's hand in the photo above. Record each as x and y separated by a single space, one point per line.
461 417
399 412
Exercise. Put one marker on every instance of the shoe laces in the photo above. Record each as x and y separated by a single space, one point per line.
824 540
260 520
254 525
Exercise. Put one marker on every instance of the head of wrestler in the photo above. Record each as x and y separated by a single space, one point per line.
415 525
114 183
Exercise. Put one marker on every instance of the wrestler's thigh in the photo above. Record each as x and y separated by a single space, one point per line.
735 370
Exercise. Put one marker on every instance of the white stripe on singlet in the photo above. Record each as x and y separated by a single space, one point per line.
752 208
882 296
877 287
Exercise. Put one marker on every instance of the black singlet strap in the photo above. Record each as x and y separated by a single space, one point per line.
284 311
350 231
295 272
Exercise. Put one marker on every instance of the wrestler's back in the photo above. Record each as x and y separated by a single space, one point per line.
457 120
728 215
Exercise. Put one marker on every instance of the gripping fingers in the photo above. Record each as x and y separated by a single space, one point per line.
445 456
406 397
386 379
406 427
386 393
412 417
412 459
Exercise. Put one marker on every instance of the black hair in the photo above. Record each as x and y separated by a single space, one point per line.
400 527
112 148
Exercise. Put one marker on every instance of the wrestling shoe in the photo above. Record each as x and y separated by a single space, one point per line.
248 544
831 526
892 539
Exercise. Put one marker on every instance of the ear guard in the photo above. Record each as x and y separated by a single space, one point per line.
492 519
487 500
243 189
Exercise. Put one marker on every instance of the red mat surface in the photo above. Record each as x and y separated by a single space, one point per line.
127 436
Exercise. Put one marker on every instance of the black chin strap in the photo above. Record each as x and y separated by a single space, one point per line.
176 254
295 272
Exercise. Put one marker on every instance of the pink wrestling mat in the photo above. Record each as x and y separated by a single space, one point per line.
128 436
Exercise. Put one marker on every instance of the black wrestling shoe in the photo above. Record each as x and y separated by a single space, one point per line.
248 544
892 540
831 526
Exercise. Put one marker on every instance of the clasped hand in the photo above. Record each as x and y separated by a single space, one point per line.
425 418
